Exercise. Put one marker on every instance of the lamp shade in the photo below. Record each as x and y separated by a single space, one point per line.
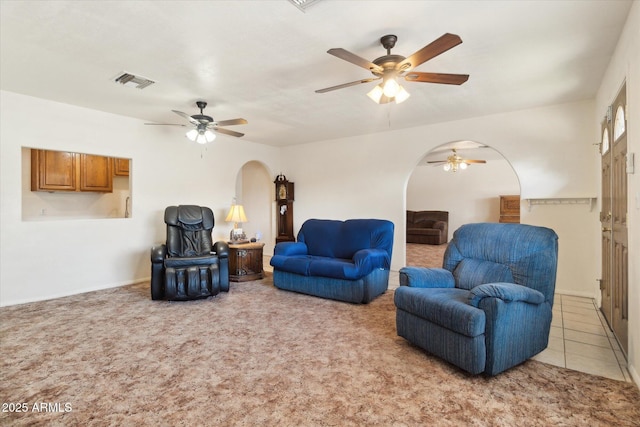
378 95
236 214
402 95
201 135
390 88
192 134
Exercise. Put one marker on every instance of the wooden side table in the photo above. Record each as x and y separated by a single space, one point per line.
245 262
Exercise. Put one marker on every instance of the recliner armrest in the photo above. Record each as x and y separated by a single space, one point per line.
422 277
221 249
158 253
507 292
290 248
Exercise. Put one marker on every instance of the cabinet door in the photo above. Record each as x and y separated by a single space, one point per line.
120 167
510 209
53 171
96 173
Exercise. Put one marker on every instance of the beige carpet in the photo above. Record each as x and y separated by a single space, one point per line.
419 255
258 356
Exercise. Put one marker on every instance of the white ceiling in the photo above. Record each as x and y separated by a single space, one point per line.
263 60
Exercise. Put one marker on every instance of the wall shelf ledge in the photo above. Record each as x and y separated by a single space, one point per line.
591 201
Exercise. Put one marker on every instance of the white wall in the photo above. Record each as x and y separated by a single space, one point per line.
470 195
47 259
549 148
625 66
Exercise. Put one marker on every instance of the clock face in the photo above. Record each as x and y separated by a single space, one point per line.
282 192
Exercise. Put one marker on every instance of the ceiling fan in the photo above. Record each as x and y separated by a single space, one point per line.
455 162
204 125
390 67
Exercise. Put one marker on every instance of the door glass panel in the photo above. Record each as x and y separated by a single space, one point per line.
605 141
619 125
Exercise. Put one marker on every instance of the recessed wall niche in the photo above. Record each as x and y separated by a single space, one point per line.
59 185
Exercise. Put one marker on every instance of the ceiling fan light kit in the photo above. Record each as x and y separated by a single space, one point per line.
454 166
202 135
391 67
455 162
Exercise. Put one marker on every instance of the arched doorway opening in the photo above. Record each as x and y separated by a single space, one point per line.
470 194
254 190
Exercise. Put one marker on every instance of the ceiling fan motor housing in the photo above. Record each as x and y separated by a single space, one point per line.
202 118
388 62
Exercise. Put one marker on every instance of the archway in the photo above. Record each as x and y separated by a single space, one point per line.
469 195
254 190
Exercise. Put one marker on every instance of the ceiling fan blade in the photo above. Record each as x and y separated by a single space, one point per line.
437 162
186 116
449 79
164 124
474 161
229 132
355 59
433 49
232 122
357 82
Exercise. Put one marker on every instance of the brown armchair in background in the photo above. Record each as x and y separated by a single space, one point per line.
428 227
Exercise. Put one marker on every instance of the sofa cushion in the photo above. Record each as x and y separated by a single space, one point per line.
364 262
446 307
342 239
426 217
298 264
424 231
335 267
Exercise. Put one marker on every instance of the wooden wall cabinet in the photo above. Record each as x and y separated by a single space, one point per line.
120 166
510 209
66 171
53 171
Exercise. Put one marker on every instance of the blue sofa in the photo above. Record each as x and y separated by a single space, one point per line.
489 307
341 260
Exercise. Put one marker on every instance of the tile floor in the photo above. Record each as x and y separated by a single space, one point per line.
580 338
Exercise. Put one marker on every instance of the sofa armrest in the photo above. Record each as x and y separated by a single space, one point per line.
440 225
507 292
376 258
421 277
290 248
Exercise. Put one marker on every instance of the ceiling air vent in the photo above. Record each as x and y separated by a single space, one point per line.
131 80
303 5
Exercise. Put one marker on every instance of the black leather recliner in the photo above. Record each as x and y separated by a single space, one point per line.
189 265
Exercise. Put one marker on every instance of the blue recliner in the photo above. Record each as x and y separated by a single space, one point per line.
489 307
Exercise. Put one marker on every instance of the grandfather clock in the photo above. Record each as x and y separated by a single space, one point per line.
284 209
